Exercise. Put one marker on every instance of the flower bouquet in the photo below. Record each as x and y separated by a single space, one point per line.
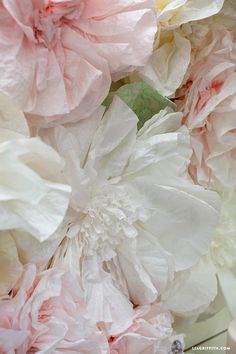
117 173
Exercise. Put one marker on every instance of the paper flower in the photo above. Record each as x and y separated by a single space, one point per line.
31 199
208 100
32 202
151 333
135 217
167 66
60 55
172 13
45 313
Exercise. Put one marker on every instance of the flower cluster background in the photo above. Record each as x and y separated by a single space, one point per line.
117 172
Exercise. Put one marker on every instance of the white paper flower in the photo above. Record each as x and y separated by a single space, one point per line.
32 202
166 68
31 197
135 216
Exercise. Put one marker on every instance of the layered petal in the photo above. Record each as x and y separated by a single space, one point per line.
63 55
208 102
151 332
46 313
166 69
143 219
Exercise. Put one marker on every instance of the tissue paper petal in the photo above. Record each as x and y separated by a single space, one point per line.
59 56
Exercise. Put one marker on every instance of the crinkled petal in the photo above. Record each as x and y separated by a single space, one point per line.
168 64
104 301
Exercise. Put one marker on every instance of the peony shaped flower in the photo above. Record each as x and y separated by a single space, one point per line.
45 313
151 333
31 197
60 55
208 101
32 202
135 216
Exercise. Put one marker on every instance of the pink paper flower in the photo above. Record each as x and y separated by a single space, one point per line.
45 313
58 55
150 333
208 100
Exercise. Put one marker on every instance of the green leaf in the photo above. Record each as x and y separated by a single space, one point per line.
142 99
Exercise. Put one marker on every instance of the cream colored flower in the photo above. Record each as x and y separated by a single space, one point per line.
166 68
173 13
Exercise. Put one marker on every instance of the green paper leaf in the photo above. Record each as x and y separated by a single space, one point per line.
142 99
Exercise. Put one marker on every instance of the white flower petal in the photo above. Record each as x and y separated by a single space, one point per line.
168 64
105 302
192 290
31 197
177 12
181 220
114 140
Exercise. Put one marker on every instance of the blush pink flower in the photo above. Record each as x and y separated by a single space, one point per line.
208 100
60 55
45 313
150 333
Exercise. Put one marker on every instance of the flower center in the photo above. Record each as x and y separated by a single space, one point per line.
50 17
108 220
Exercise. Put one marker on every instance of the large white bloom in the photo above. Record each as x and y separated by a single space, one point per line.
32 202
31 199
135 217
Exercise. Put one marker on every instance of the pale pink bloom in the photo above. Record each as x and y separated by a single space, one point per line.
45 313
150 333
208 100
58 55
